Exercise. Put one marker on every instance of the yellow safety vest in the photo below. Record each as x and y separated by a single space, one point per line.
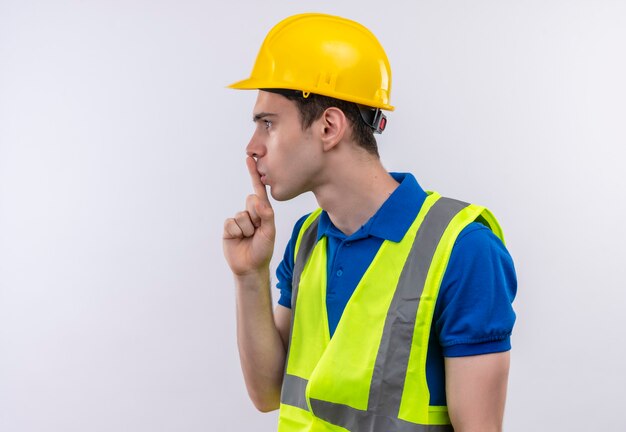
371 376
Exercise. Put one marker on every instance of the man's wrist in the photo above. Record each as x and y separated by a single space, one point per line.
255 279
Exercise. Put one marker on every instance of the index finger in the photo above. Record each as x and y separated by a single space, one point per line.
258 186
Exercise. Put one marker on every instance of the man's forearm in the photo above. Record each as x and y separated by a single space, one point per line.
261 349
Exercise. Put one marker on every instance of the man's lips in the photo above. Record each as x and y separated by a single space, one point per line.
262 176
260 169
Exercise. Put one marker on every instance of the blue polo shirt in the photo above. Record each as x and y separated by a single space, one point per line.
473 314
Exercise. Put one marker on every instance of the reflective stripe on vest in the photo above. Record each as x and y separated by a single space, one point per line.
389 404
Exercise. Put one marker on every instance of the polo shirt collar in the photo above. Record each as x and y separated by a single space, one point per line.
392 219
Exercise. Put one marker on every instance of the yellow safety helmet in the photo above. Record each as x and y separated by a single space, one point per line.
323 54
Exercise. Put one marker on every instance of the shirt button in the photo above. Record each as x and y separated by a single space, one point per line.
348 244
339 272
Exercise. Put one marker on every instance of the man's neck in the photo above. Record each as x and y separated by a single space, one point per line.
355 194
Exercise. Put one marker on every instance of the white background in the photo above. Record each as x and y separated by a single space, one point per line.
122 152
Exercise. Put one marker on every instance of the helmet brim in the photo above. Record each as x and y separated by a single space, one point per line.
256 84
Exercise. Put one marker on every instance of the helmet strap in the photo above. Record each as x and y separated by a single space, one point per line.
374 118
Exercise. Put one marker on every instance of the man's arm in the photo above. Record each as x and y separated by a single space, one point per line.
476 391
261 338
248 247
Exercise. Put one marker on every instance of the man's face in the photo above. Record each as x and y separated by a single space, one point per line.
288 158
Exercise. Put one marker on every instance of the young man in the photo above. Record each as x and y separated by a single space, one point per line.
395 309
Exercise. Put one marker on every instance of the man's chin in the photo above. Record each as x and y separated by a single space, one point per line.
279 195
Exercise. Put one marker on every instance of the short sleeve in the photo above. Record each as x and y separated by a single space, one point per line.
284 271
474 313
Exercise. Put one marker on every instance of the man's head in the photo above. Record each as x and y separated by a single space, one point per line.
324 80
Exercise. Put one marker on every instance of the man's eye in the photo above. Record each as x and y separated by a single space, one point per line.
268 123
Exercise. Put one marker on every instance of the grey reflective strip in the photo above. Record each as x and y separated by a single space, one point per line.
307 243
356 420
393 354
294 392
293 389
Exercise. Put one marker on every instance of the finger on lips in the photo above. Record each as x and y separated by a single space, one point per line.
257 184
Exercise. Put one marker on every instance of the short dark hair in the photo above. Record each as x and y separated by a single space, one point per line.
313 106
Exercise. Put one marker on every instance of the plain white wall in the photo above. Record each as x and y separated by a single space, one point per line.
121 153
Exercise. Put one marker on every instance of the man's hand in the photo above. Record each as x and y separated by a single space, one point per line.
249 236
248 247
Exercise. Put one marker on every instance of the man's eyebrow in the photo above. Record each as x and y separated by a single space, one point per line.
261 115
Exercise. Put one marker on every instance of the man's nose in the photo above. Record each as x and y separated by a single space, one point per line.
255 147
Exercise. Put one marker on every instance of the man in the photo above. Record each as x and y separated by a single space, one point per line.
395 309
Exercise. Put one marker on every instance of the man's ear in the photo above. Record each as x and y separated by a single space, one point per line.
333 127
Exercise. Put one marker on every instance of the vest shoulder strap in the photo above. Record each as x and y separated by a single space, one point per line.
304 246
